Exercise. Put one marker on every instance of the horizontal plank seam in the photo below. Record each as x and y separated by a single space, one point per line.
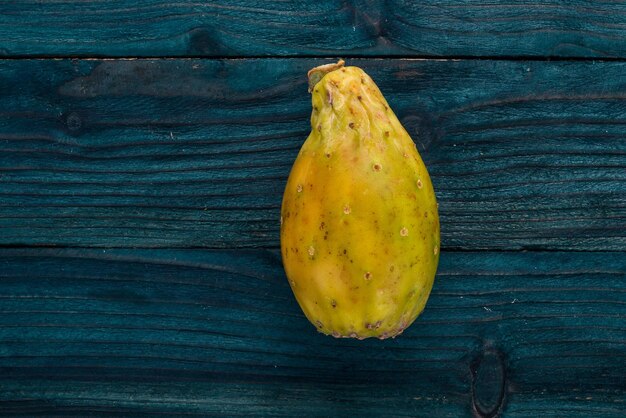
537 249
313 56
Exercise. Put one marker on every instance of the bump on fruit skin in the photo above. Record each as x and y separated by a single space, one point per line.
360 231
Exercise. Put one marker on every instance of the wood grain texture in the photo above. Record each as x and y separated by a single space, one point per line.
577 28
196 153
134 332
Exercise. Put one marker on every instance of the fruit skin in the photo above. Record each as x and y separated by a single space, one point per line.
359 225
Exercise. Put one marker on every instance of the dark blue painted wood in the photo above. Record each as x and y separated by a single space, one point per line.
133 332
576 28
195 153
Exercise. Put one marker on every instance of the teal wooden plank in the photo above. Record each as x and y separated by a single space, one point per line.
144 332
556 28
196 153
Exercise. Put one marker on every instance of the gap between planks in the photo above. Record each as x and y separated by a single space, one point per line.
548 58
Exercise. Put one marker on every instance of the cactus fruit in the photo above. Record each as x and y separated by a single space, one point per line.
359 224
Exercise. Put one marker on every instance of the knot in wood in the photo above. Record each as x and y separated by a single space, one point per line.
488 383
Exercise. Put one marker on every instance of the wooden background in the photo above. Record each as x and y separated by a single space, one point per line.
144 148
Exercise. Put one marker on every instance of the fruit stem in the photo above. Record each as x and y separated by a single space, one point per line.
317 73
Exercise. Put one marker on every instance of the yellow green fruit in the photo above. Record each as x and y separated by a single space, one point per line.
359 224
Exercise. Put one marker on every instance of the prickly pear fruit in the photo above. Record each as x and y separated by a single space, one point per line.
359 224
